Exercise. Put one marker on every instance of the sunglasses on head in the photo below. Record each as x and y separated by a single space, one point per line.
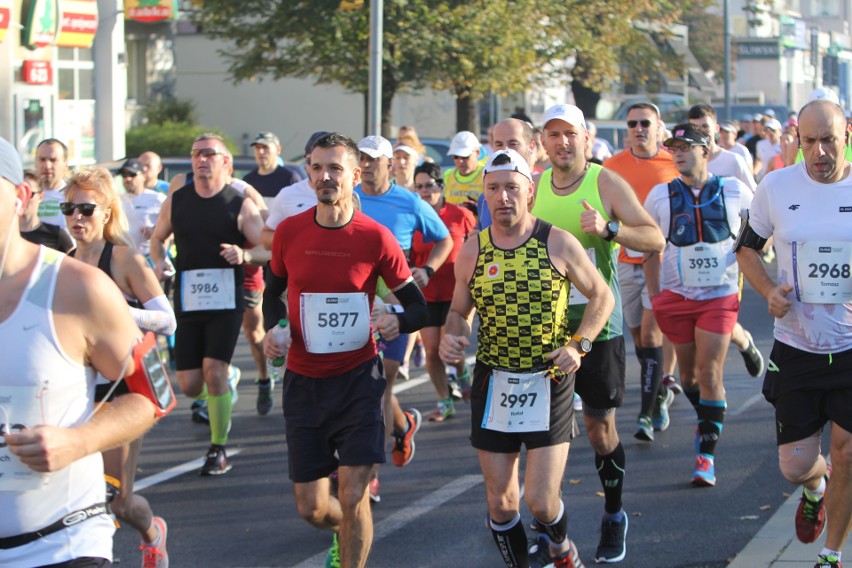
645 123
86 209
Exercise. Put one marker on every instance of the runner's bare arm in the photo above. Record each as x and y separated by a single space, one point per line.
458 327
161 234
638 230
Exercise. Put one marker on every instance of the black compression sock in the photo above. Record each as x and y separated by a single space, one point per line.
511 540
611 471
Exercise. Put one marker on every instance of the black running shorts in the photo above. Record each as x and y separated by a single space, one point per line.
212 335
808 390
334 421
563 427
600 380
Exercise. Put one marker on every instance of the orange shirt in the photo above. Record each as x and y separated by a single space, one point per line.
642 174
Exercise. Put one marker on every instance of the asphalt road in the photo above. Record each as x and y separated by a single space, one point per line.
432 512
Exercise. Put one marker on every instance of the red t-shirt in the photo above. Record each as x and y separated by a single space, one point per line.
460 222
332 260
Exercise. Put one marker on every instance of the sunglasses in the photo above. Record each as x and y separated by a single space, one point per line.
205 152
86 209
645 123
459 157
430 185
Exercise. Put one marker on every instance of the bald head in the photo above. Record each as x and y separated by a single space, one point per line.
514 134
151 168
823 136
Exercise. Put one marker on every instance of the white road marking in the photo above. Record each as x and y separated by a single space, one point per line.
409 514
748 404
173 472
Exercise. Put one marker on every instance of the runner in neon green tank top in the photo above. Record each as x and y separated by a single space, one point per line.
601 210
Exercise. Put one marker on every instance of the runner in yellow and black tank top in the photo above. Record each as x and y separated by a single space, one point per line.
522 299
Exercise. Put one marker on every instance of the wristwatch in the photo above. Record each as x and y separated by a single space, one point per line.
584 342
430 272
611 230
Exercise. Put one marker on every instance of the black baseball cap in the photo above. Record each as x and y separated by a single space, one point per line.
688 133
313 140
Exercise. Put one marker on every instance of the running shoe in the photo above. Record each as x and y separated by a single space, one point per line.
155 555
578 403
234 374
453 382
445 409
216 462
199 412
539 555
644 429
670 382
403 444
570 559
752 357
661 419
705 472
613 544
810 519
402 373
465 384
829 561
419 355
332 559
265 402
375 490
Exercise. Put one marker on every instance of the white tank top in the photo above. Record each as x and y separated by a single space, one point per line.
48 384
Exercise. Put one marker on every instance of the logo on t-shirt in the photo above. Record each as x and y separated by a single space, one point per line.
846 209
493 270
794 207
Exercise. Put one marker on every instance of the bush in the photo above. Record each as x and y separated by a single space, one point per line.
170 110
167 139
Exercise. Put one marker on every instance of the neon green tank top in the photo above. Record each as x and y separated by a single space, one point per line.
521 299
457 188
564 211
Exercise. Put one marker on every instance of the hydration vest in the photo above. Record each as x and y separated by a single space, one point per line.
697 219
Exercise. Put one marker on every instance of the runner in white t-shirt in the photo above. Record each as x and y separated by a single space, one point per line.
807 208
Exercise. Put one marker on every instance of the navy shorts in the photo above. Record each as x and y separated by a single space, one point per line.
563 427
395 350
212 336
334 421
808 390
600 379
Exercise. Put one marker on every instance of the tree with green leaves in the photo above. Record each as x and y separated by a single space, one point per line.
471 48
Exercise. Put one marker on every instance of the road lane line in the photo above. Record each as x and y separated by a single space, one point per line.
409 514
173 472
748 404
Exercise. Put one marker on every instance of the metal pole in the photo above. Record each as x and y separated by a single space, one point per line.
727 18
374 113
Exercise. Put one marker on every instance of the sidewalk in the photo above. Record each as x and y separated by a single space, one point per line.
776 544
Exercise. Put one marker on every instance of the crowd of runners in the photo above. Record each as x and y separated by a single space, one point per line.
542 241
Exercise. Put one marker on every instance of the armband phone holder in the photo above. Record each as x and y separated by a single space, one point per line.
150 378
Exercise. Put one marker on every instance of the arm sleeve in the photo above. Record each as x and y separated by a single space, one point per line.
158 316
274 308
412 300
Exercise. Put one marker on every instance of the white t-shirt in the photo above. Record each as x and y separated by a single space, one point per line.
737 198
48 209
743 152
766 151
793 208
142 212
290 201
729 164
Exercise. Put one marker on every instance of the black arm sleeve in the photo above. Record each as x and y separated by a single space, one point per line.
414 316
274 309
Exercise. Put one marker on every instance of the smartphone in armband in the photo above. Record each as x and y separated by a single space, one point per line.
150 378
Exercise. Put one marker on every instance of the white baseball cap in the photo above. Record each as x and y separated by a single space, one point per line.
375 146
463 144
824 94
507 160
407 149
566 113
773 124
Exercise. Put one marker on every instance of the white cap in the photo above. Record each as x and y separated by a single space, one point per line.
566 113
463 144
824 94
514 163
407 149
769 112
773 124
375 147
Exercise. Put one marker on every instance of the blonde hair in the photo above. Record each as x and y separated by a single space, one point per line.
408 136
100 182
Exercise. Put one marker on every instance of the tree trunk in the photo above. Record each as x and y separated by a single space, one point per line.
585 98
466 116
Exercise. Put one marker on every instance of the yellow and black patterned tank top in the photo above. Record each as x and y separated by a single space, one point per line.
521 299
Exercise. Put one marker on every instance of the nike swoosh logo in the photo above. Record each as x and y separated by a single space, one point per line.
29 327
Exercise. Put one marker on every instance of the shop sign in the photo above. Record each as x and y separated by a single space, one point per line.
79 23
5 16
40 24
37 72
150 11
765 49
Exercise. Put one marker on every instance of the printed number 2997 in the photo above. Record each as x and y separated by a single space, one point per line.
512 400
